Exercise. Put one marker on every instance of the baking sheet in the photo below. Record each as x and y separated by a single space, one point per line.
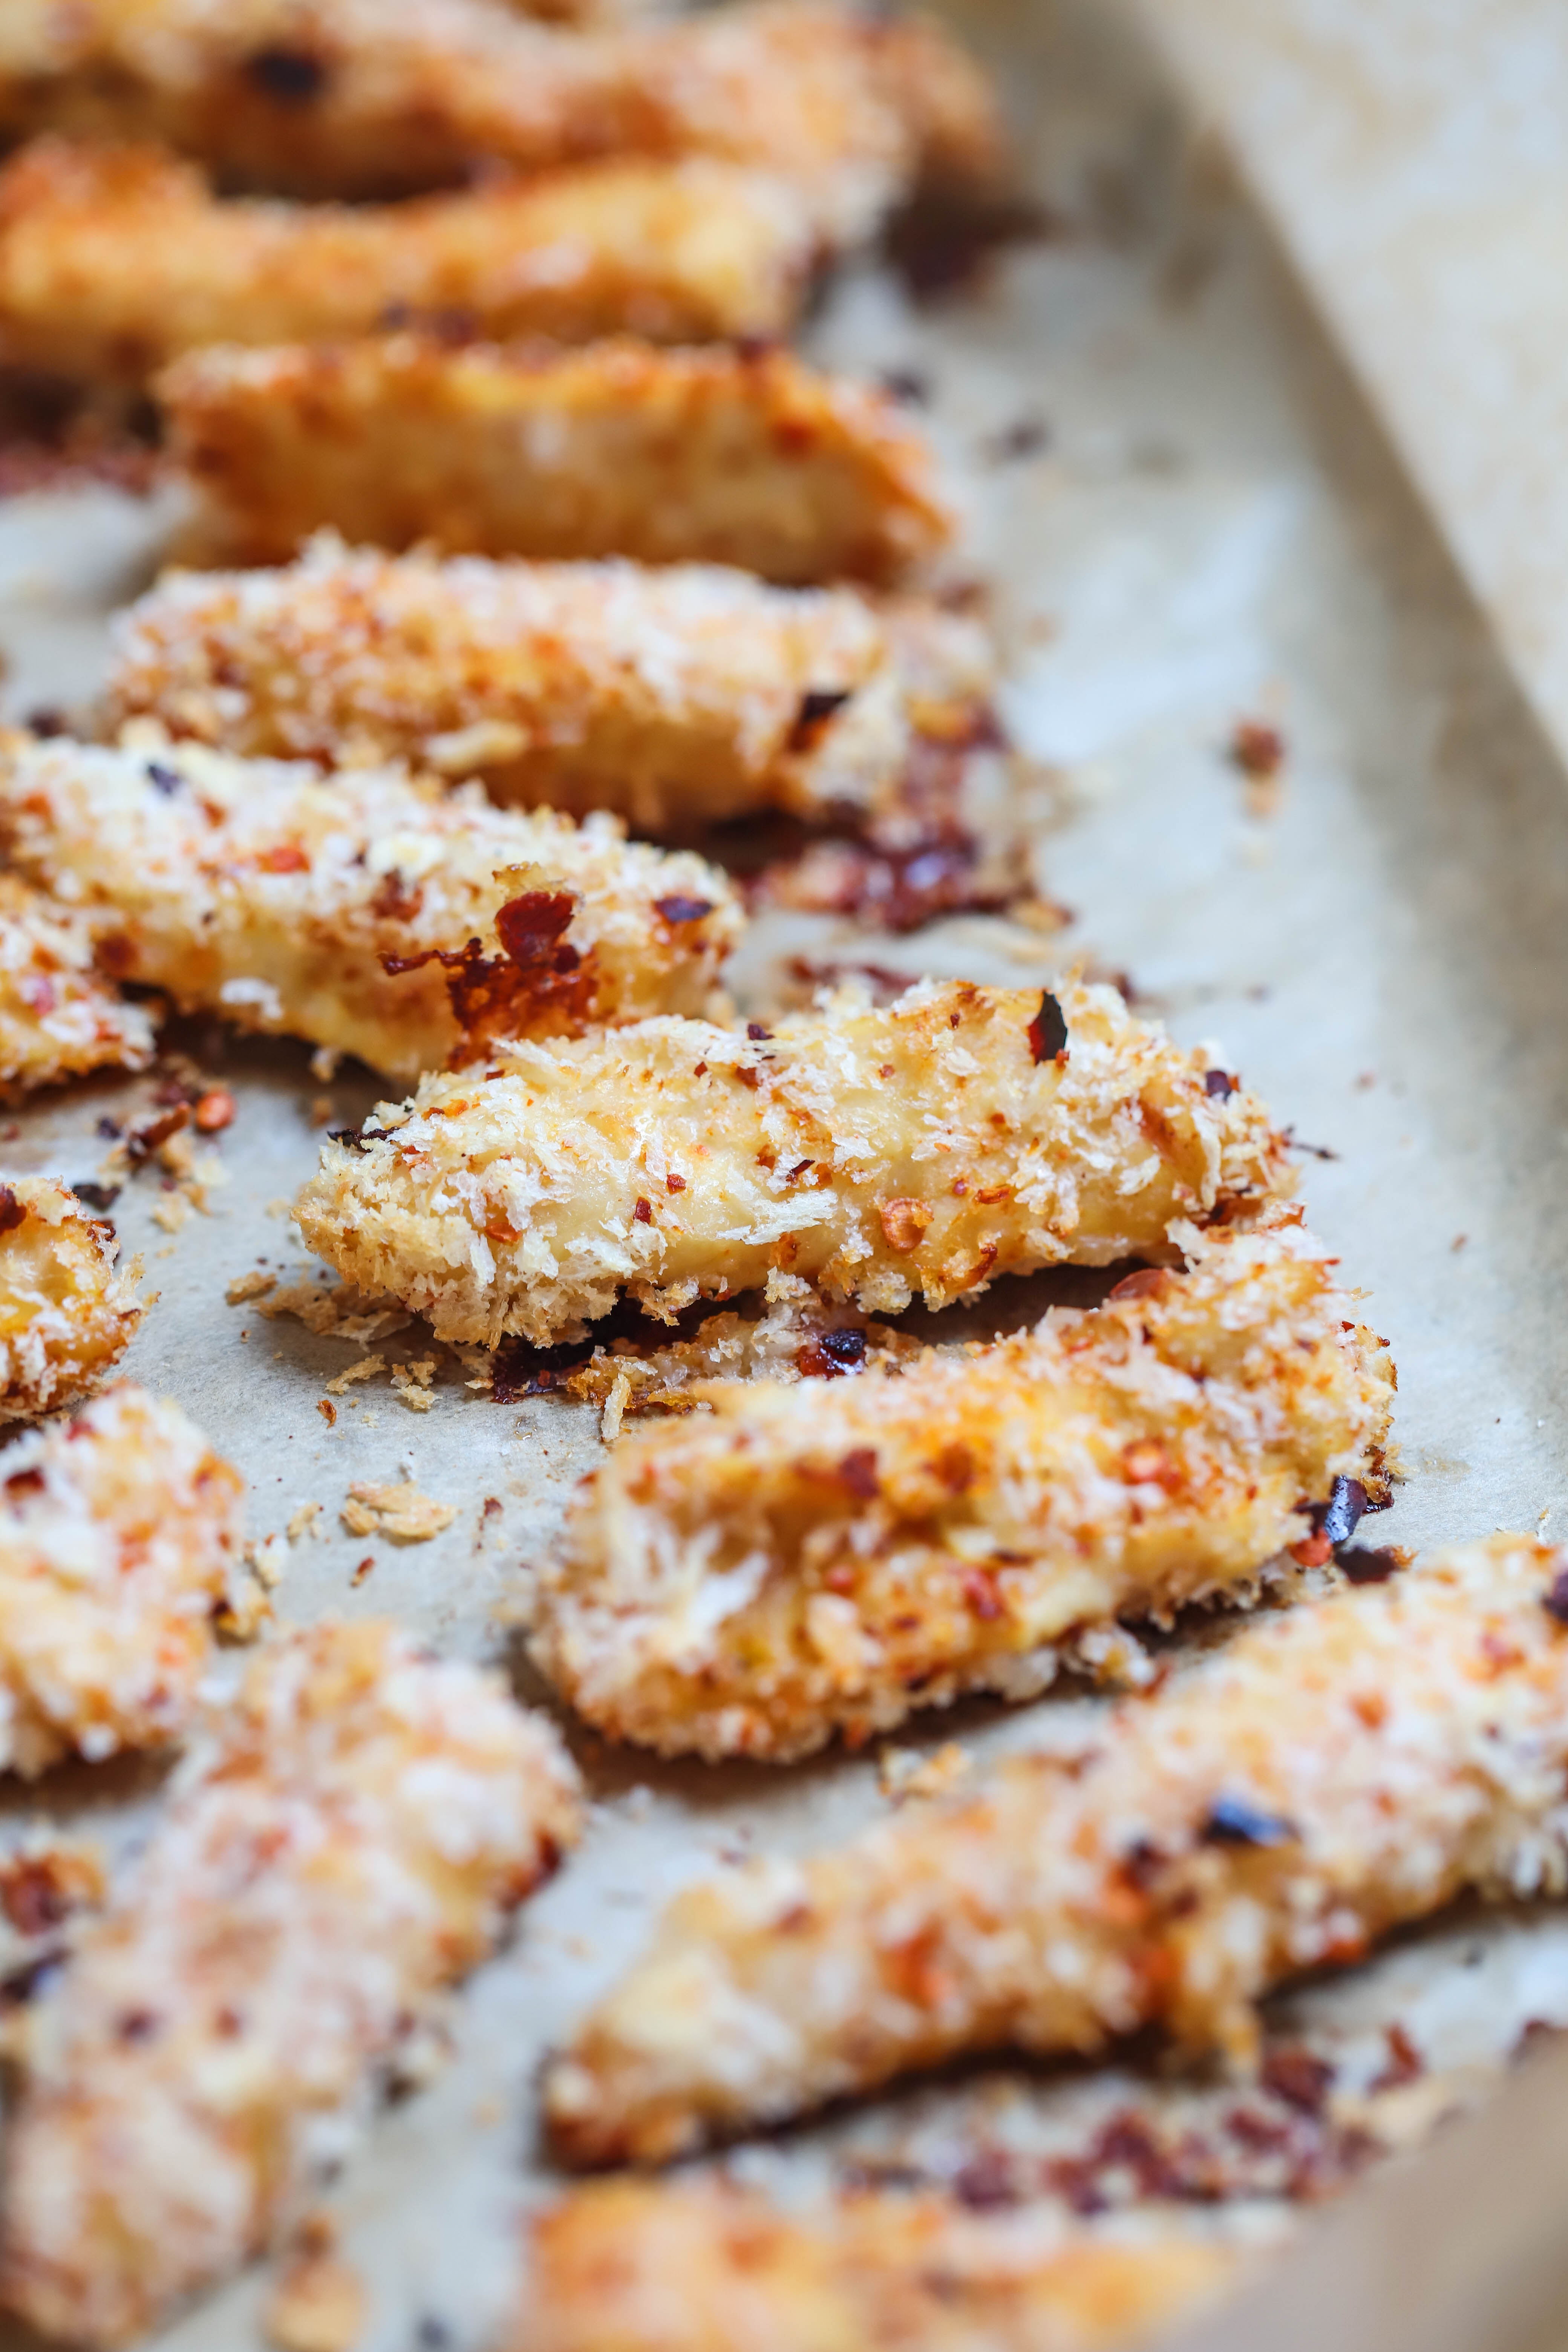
1211 530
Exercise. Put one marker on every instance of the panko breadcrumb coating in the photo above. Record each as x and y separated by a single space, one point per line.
114 260
875 1155
1335 1773
814 1558
346 1837
368 913
340 97
65 1315
744 457
679 2266
676 696
59 1018
120 1543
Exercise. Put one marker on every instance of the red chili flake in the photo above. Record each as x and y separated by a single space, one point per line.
138 2025
328 1411
12 1211
757 1033
364 1570
678 908
700 1071
102 1197
1406 2064
32 1895
1364 1564
214 1110
284 858
1299 2077
492 1505
987 2182
1258 749
1555 1601
166 780
858 1471
818 706
793 1175
979 1592
675 1184
1048 1030
643 1213
1220 1083
831 1356
530 927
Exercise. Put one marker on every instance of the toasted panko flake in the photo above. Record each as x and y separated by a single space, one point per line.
875 1155
59 1018
369 913
340 97
346 1838
120 1543
676 696
677 2266
743 457
818 1558
115 260
66 1317
792 1339
1334 1772
400 1511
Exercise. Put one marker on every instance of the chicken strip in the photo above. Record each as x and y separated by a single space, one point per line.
59 1017
1335 1773
369 913
346 1837
114 260
655 2266
338 97
677 697
744 457
960 1133
65 1315
809 1560
120 1543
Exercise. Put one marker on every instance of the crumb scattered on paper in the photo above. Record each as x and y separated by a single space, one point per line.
321 1111
169 1210
317 2301
904 1772
365 1369
303 1522
412 1382
254 1285
1257 749
335 1311
401 1511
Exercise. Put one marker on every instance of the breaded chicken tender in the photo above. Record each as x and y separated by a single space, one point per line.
115 260
678 695
65 1315
657 2266
1335 1773
744 457
815 1559
346 1838
342 98
59 1018
960 1133
120 1539
367 913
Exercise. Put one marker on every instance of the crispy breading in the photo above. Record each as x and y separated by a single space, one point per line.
814 1558
681 2266
677 696
59 1018
115 260
1336 1771
346 1838
65 1315
369 913
744 456
119 1542
337 98
874 1154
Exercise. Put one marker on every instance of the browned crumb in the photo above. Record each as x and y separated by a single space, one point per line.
317 2301
252 1285
400 1511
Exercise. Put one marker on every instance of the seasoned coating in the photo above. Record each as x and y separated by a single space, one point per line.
369 913
59 1017
815 1559
875 1155
1333 1773
342 98
114 260
679 696
677 2266
744 456
345 1839
65 1315
120 1535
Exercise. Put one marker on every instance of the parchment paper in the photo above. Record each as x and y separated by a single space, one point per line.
1212 530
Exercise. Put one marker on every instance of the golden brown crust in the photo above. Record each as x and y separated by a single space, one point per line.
1333 1772
336 97
119 1545
655 2266
59 1018
66 1317
827 1557
115 260
346 1837
323 909
874 1155
744 457
675 696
